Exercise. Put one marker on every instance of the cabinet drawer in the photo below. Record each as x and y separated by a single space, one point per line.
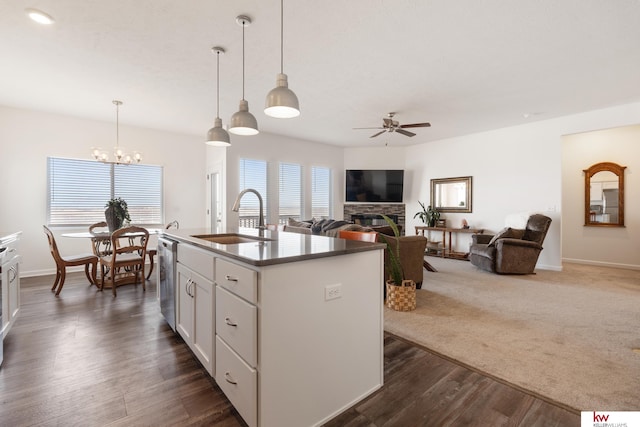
238 381
198 260
237 279
236 324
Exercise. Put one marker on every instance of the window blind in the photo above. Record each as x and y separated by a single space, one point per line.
290 200
79 189
320 192
253 174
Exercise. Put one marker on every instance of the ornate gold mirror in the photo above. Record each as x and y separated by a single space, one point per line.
604 195
451 194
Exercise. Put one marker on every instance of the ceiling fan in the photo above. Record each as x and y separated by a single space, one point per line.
390 125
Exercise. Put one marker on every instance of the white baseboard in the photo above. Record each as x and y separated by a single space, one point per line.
52 271
549 267
602 264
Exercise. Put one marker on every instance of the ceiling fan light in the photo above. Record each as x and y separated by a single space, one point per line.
243 122
281 102
217 136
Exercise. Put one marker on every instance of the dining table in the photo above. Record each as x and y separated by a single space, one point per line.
101 241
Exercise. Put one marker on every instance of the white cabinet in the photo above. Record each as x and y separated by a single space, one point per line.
237 337
288 356
282 351
10 285
195 302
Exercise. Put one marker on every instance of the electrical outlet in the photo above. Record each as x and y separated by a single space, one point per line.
332 292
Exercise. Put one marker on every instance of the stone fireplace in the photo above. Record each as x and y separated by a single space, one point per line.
369 213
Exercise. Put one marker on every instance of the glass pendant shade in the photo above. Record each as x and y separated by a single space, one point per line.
281 102
217 136
243 122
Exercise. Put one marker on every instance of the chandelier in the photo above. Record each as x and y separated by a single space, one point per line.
119 154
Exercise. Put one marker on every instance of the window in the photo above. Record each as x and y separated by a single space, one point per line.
253 174
79 189
320 192
290 183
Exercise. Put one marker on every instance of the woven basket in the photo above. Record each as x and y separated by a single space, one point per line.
401 298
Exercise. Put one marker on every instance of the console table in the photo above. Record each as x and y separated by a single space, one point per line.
446 249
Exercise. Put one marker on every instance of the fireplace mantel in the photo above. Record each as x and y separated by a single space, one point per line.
389 209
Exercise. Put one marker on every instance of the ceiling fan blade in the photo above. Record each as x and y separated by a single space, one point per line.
405 132
376 134
378 127
416 125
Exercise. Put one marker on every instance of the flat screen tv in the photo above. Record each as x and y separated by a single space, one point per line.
374 186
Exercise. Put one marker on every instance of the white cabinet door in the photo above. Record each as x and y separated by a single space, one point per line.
194 314
14 291
203 329
184 304
10 294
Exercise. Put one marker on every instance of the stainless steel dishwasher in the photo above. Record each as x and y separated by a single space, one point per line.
167 254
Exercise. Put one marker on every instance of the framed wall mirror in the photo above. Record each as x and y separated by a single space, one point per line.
604 195
451 194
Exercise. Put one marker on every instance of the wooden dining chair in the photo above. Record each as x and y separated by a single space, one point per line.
364 236
89 261
101 243
151 253
126 262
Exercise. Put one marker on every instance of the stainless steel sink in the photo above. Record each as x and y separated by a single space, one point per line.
230 238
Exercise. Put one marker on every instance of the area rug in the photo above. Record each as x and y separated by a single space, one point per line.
571 337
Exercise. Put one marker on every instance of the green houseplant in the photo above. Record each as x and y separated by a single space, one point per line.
117 213
428 215
401 293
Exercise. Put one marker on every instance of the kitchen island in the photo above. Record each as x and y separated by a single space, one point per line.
289 325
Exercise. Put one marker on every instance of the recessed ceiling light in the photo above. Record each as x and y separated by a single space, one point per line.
39 16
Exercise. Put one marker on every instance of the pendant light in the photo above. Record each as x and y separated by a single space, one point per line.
243 122
119 153
217 136
281 102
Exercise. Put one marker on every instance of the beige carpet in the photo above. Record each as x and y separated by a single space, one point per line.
572 336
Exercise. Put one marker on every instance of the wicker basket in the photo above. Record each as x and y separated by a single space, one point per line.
401 298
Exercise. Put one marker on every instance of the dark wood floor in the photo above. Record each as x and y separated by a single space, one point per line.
88 359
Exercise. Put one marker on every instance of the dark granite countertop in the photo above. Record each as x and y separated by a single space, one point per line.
282 247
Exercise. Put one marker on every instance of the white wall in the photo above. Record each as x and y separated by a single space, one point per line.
601 245
27 138
519 169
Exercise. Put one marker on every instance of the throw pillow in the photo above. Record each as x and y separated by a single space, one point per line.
506 233
295 223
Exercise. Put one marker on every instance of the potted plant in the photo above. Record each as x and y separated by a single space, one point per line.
428 215
401 293
116 214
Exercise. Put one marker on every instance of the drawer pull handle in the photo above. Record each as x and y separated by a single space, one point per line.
229 322
231 278
230 380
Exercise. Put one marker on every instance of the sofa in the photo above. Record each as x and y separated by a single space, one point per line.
512 250
411 247
332 227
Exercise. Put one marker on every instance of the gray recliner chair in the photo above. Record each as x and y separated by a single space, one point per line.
512 251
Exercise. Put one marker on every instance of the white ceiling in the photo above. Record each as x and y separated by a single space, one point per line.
465 66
